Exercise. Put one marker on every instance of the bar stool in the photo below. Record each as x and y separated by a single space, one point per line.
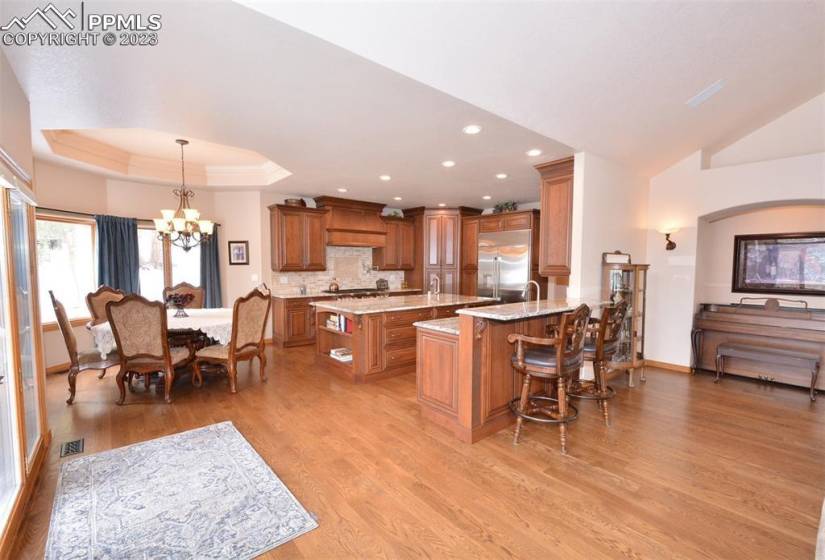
558 358
601 344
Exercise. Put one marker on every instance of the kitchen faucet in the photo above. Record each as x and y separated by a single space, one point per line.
437 281
526 291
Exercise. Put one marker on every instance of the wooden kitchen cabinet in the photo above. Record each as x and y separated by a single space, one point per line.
293 321
316 248
469 255
556 217
437 246
398 253
442 238
298 238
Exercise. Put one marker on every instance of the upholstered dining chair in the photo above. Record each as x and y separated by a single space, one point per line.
601 344
198 294
559 359
79 361
249 316
139 326
96 302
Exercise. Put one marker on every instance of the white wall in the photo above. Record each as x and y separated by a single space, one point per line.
66 188
15 120
799 132
240 216
715 247
609 212
679 197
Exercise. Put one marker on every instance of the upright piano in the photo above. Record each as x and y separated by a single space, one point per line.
763 322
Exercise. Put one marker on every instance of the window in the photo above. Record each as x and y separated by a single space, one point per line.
150 257
163 264
186 265
65 264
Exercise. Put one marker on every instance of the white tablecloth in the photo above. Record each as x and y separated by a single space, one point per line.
214 323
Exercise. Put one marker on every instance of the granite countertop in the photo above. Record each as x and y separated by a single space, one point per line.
366 306
448 325
314 294
526 309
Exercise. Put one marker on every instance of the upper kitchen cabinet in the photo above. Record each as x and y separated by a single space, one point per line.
298 238
441 237
556 217
353 223
399 251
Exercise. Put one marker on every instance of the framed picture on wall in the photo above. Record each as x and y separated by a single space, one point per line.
239 252
782 263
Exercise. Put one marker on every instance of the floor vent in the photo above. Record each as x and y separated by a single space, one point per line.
71 447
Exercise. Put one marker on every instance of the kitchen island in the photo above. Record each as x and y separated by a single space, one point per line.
365 340
465 377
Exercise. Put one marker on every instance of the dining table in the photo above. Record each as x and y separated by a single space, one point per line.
215 323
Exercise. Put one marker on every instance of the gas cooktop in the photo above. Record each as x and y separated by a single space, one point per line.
355 291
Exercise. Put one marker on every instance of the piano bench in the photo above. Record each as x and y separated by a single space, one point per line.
783 356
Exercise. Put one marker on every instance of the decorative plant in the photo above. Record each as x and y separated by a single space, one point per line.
180 301
509 206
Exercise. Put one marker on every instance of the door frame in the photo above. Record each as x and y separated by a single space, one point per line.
27 470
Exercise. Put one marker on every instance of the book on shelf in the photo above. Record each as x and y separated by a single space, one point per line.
341 354
339 323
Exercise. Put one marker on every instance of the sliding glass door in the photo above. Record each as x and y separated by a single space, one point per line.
24 435
9 450
23 295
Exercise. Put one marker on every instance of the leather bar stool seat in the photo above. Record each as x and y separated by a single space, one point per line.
610 349
547 358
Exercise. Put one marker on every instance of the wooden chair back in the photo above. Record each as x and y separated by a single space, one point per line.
249 316
610 327
568 340
198 294
65 327
572 333
96 302
139 326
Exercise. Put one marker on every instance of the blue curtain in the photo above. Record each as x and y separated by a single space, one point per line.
211 270
117 253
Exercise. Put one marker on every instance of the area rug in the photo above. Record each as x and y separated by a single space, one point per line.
204 493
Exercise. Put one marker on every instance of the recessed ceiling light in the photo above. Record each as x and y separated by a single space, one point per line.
448 163
396 198
486 197
384 177
471 129
442 204
706 93
501 175
534 152
342 190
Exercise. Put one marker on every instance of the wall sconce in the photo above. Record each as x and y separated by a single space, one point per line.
669 243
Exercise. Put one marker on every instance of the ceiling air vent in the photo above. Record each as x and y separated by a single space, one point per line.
706 93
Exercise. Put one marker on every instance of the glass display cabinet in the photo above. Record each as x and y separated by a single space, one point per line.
622 280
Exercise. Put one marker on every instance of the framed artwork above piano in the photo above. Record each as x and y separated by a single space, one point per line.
779 263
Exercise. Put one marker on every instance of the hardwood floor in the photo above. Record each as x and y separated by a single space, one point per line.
688 469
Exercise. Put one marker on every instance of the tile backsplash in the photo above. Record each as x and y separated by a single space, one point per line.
351 266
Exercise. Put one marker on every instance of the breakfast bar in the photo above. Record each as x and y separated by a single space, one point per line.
464 373
365 340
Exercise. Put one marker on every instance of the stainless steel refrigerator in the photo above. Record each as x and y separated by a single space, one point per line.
504 264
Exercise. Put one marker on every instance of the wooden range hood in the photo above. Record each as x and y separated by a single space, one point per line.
353 223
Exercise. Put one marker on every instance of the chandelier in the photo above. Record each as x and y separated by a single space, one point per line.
183 227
